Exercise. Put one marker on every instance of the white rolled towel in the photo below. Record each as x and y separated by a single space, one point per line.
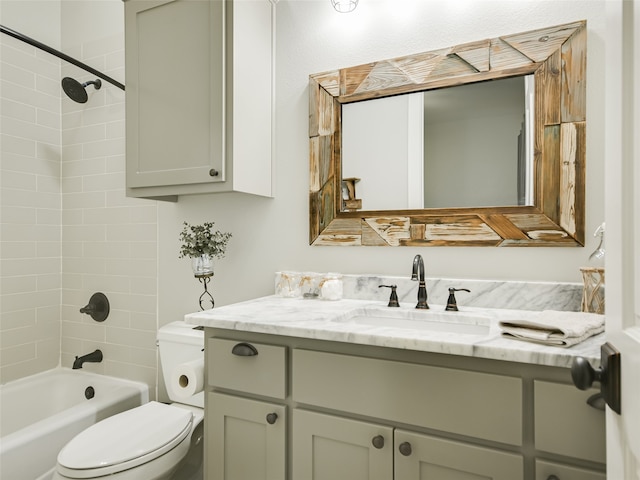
551 327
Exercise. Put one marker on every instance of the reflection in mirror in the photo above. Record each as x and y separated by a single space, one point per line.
463 146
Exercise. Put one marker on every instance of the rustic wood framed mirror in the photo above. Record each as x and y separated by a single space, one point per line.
556 56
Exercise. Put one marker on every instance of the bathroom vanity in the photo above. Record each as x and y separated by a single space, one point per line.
302 389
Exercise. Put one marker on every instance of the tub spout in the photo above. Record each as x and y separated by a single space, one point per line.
95 357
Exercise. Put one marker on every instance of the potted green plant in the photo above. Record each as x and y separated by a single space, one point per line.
202 244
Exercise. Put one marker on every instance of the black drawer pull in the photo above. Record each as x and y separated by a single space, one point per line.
378 441
271 418
405 448
244 350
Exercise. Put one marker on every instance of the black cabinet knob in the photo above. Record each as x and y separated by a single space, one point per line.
213 172
552 477
405 448
378 441
244 350
271 418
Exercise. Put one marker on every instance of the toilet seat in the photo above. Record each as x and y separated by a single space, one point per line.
125 441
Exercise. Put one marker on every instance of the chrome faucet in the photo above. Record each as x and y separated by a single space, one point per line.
418 274
95 356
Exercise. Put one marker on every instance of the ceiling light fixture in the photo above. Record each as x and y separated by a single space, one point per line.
344 6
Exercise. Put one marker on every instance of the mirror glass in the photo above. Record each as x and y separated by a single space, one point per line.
463 146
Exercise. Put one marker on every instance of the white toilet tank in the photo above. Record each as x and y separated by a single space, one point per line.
180 343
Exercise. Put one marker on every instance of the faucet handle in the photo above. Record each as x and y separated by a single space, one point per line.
98 307
393 299
452 305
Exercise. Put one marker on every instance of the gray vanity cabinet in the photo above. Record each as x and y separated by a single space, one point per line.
328 447
546 470
245 439
199 81
423 457
399 393
245 436
357 412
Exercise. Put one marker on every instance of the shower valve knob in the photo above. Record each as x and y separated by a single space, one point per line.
98 307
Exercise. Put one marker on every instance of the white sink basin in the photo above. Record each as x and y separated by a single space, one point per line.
421 320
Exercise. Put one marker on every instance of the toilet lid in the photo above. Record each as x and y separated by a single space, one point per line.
127 439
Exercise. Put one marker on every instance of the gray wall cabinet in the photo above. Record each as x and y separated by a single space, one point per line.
351 412
199 79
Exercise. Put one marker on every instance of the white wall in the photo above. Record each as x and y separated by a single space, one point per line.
38 19
109 241
471 152
30 201
382 145
272 234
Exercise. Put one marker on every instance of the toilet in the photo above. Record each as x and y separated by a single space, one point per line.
155 441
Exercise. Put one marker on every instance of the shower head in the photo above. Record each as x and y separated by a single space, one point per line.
76 90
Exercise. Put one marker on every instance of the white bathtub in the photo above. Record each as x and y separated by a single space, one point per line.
41 413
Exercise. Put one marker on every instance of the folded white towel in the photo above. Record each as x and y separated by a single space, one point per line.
550 327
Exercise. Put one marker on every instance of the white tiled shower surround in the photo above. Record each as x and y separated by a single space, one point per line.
68 229
30 210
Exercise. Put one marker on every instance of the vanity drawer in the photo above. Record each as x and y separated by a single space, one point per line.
546 470
565 424
247 367
476 404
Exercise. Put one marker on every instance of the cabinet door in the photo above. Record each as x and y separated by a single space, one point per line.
333 448
175 97
556 471
426 458
244 440
565 424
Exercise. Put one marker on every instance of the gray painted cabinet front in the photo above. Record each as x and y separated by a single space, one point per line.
351 412
437 458
328 447
242 441
199 97
175 95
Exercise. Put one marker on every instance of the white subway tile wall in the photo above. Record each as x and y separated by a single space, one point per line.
68 230
30 210
109 242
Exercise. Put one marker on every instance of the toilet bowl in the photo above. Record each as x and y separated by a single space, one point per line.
155 441
146 442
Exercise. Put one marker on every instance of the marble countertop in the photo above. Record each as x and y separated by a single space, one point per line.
329 320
